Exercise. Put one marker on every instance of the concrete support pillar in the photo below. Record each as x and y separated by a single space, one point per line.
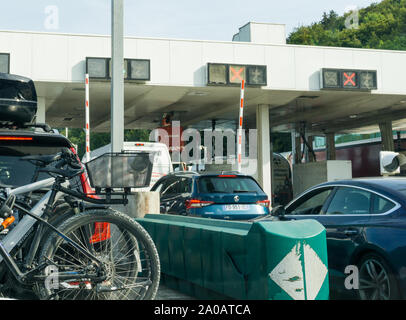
264 149
41 102
330 146
387 136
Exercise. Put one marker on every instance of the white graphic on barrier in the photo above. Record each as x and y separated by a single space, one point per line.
292 275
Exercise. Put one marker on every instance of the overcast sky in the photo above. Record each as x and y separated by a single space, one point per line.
185 19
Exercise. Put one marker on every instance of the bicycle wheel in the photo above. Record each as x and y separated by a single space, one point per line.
130 262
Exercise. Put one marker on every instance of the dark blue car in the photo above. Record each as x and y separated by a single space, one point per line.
227 196
365 221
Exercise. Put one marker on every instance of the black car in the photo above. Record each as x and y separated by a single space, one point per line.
365 221
229 196
20 136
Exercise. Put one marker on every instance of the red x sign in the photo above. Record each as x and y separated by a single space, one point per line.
349 79
237 74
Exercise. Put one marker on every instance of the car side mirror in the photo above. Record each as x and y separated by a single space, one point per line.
278 211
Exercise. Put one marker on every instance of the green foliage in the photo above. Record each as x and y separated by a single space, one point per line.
100 139
381 26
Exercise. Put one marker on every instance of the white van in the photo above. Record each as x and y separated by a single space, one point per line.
162 160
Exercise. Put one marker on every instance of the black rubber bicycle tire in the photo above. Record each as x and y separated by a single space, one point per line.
110 215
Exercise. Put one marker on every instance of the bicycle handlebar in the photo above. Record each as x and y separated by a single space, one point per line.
67 157
63 158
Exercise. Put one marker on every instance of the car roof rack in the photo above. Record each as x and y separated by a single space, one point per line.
16 126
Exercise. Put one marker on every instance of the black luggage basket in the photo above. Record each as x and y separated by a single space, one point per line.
120 171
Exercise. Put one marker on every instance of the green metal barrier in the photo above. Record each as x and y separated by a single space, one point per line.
217 259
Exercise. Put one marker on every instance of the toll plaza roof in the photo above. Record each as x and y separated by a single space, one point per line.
331 89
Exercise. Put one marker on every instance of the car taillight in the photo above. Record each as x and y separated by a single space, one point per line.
194 203
227 176
8 138
264 203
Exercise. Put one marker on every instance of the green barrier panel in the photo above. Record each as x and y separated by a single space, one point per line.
265 260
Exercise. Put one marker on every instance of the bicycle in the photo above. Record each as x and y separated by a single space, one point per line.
98 253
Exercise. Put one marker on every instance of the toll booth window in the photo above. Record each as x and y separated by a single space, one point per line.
311 203
350 201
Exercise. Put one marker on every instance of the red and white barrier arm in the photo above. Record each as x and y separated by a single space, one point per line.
240 121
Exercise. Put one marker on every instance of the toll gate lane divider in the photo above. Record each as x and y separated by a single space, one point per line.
265 260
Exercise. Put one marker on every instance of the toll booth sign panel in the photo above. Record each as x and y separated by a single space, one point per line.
139 69
236 74
217 73
331 79
134 69
97 68
125 71
256 75
4 63
349 80
368 80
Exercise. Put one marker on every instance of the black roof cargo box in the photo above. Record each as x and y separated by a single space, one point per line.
18 99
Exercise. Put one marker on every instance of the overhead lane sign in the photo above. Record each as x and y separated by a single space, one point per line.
236 74
347 79
233 74
134 69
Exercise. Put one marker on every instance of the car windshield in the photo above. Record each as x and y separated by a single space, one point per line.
215 184
16 172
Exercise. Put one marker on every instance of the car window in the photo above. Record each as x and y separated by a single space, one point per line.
349 200
381 205
185 185
217 184
158 187
16 172
310 203
172 187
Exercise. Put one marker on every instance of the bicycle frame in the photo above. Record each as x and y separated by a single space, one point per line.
22 229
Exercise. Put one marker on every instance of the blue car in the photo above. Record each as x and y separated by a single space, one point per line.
365 221
227 196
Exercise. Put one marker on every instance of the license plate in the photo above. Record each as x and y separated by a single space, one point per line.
236 207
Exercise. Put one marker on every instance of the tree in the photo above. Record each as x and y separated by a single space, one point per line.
100 139
381 26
